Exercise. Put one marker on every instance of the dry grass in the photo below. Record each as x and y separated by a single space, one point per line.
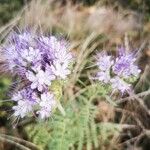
77 21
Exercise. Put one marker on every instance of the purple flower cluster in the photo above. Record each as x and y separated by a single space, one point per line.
38 61
117 71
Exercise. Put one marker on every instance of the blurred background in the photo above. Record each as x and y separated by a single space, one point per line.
86 24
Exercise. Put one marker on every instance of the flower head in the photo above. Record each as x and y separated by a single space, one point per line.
117 71
38 61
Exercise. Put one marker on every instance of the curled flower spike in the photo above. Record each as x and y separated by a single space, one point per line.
117 71
40 62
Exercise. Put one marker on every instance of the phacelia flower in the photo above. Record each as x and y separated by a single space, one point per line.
25 102
40 79
30 55
121 85
104 61
125 65
60 70
117 71
47 104
38 61
103 76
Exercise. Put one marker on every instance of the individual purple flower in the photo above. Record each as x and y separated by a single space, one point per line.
46 45
10 55
62 55
125 65
103 76
25 102
25 93
30 55
40 79
47 104
119 84
22 108
134 70
60 70
21 40
28 102
19 55
104 61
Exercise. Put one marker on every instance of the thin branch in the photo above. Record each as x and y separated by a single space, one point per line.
133 96
136 139
14 143
131 140
128 126
142 104
126 112
20 141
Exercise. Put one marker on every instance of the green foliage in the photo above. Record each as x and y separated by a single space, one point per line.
78 128
106 130
39 134
8 8
4 85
